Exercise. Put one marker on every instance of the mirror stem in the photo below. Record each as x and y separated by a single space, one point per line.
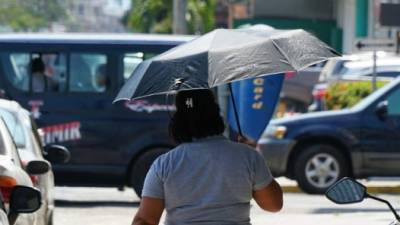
387 203
12 218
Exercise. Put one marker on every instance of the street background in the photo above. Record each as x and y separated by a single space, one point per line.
108 206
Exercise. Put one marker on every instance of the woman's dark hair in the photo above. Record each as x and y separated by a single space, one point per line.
197 116
37 65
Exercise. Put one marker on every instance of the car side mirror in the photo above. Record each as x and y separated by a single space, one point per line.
346 191
37 167
56 154
382 110
23 200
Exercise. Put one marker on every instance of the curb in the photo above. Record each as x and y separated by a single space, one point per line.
370 189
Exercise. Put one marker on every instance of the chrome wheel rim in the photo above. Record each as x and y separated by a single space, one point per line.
322 170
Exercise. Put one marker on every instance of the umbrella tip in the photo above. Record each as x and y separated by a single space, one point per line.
177 83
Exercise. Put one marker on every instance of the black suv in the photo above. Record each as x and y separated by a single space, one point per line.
319 148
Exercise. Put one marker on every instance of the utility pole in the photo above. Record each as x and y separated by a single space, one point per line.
179 17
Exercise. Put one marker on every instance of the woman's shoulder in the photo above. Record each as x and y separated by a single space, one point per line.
244 149
171 154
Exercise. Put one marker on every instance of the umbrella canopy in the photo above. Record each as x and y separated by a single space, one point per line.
223 56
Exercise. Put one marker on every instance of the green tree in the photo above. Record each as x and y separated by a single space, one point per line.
155 16
32 15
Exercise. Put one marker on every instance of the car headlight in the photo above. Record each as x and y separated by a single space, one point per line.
274 131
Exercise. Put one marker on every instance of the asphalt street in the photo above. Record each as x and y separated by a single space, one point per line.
108 206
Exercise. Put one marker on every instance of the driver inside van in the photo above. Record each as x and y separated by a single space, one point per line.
38 76
101 79
40 81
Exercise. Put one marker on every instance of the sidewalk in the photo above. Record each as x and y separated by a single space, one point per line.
388 185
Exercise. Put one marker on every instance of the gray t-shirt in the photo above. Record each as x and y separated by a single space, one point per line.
207 182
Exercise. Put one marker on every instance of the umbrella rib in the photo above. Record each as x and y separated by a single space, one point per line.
283 54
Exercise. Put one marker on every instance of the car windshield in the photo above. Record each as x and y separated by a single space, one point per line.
372 97
14 127
6 142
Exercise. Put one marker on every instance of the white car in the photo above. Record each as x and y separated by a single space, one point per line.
25 135
359 65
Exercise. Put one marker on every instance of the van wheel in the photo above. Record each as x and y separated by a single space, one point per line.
141 166
318 167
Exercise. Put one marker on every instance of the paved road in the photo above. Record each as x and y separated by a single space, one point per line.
108 206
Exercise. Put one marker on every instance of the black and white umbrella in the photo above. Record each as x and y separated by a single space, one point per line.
223 56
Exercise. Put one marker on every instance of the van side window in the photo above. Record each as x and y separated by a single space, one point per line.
394 103
20 66
38 72
88 73
132 60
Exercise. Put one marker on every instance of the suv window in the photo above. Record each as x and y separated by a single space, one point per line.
48 72
392 74
394 103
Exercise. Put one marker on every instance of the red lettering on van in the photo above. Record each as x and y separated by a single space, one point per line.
61 132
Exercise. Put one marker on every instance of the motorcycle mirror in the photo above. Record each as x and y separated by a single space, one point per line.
346 191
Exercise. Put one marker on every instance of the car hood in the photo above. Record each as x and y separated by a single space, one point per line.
313 117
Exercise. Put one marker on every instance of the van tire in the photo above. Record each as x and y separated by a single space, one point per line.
331 160
141 166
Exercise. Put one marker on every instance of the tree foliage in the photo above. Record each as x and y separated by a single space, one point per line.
155 16
32 15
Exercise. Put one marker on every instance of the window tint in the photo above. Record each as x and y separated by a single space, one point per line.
15 128
20 66
7 146
88 73
38 72
132 60
389 74
394 103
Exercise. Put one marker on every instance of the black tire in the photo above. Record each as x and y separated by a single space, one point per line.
141 166
305 167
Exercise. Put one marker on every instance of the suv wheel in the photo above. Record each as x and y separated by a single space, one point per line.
141 166
318 167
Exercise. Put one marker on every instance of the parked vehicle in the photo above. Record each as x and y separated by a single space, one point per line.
336 68
26 138
296 94
353 68
347 191
110 145
317 149
12 172
19 199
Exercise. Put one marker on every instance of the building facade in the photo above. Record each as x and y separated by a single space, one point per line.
94 16
340 23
